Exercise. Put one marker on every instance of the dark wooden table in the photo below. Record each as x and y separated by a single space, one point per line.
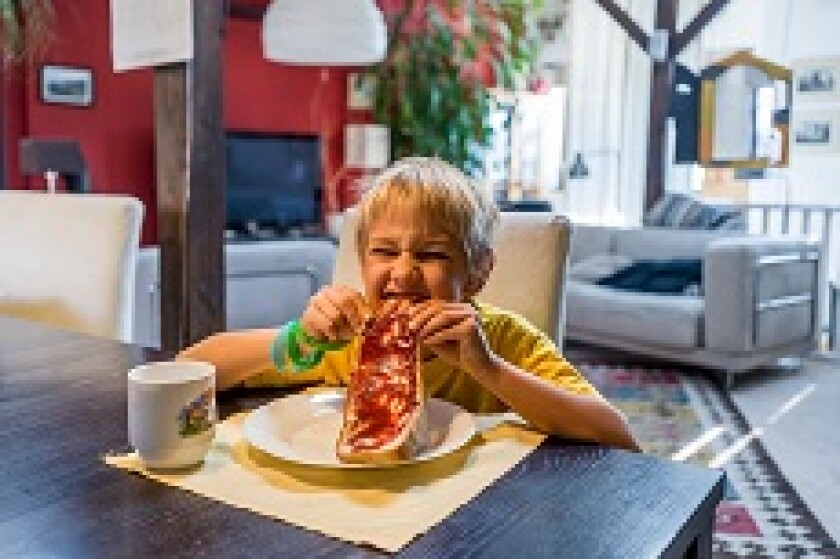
62 406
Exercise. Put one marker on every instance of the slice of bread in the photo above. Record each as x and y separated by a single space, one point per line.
384 412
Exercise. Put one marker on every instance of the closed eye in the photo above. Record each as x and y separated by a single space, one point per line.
432 255
384 251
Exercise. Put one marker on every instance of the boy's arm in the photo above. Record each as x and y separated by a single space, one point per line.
236 355
334 313
552 409
455 332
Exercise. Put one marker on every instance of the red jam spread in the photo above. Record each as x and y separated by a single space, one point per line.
383 388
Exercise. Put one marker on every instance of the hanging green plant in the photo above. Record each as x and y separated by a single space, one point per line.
433 88
25 27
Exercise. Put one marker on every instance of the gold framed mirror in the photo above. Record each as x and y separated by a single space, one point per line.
745 104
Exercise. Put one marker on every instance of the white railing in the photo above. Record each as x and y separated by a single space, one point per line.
819 222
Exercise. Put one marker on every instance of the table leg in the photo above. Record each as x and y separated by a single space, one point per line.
701 547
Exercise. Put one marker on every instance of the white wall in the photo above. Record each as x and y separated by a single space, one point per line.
814 34
609 84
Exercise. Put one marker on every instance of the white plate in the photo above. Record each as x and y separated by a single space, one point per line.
303 428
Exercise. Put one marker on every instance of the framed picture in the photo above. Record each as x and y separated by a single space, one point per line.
360 91
65 85
816 132
817 80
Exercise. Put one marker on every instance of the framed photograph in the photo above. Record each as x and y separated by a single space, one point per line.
817 80
65 85
816 131
360 91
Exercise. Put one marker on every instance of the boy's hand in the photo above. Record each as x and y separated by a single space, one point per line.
453 331
334 313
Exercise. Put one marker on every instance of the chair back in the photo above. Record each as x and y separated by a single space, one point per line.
68 260
532 250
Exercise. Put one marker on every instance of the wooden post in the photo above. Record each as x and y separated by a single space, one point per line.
190 185
662 79
661 82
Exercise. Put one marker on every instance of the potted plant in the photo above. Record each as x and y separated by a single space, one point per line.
433 90
25 27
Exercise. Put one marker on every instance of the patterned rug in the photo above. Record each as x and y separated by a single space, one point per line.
683 416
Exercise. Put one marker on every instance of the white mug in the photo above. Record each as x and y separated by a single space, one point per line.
172 412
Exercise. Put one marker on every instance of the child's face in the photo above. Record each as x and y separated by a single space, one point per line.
407 257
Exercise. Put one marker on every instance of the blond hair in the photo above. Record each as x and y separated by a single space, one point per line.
440 192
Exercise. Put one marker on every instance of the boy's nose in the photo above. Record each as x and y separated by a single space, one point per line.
403 266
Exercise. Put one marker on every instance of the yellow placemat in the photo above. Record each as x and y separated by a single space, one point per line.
386 508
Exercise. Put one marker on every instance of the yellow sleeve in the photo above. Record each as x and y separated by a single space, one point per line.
519 343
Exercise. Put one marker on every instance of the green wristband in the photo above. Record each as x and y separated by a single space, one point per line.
279 349
318 344
300 362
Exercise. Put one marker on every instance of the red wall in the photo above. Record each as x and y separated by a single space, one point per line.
116 133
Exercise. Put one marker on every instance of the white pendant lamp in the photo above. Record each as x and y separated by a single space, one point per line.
324 32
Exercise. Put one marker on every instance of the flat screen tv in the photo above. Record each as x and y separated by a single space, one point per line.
273 183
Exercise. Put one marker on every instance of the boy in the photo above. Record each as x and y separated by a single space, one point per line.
424 241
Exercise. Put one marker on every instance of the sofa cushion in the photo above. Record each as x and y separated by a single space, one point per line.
667 277
666 320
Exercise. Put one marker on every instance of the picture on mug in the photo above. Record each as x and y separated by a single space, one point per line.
196 417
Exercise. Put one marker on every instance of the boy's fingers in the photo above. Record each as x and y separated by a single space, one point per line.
361 310
422 313
348 316
388 307
403 306
315 324
365 314
452 333
442 320
331 318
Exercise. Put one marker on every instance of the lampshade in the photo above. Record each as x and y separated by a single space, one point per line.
324 32
579 169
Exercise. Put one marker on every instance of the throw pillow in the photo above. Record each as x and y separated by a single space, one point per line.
597 267
731 221
678 210
669 210
664 277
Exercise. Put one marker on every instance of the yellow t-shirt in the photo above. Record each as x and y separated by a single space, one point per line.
509 336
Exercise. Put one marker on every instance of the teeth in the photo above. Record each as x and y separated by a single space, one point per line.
408 296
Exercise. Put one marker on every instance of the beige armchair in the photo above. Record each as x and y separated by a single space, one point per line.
68 260
531 254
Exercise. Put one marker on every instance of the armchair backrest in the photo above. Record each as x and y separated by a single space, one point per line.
68 260
529 277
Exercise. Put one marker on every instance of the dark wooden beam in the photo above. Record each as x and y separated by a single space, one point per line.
700 21
626 22
190 185
4 180
662 81
246 11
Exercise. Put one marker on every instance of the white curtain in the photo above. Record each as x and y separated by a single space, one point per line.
609 98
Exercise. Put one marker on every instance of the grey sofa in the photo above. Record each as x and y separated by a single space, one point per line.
267 283
758 299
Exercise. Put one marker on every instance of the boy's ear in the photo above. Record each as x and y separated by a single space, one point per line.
479 276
